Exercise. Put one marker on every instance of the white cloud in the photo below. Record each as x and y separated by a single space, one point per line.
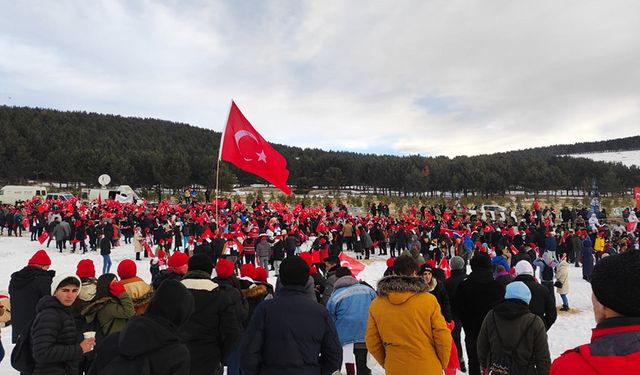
432 77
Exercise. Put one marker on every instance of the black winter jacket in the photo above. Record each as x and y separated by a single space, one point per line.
451 285
290 335
542 303
56 349
26 288
475 297
241 306
149 336
254 294
212 331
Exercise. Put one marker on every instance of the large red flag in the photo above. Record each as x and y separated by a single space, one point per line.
636 193
245 148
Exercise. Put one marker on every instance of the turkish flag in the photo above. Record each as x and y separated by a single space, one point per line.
636 193
43 237
350 263
245 148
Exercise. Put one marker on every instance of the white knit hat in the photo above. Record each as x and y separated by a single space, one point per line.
524 268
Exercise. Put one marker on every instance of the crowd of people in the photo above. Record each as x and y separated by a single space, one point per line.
317 316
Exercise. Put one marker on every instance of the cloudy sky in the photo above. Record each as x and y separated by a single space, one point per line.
400 77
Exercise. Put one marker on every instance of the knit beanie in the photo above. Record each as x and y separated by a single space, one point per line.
518 290
224 268
40 258
614 283
248 270
178 259
294 271
127 269
480 261
261 274
390 262
456 263
201 262
85 269
58 280
524 268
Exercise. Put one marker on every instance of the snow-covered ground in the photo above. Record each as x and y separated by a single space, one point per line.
627 158
570 330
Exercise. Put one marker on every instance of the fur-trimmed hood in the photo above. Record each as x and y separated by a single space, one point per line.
255 291
398 289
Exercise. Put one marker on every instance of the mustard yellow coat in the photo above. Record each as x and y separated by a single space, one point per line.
406 332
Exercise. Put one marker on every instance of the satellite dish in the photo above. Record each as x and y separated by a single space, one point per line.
104 180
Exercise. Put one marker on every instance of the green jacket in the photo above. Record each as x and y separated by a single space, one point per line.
509 322
112 313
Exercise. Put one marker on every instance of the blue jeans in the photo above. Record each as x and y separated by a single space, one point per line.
106 264
565 300
185 241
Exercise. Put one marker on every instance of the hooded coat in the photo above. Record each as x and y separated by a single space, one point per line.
26 288
55 344
511 326
406 332
562 275
112 312
153 337
212 331
349 309
474 298
290 335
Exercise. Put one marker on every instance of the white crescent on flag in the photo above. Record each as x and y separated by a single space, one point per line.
244 133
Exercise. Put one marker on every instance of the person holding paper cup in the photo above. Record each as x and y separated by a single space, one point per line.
55 345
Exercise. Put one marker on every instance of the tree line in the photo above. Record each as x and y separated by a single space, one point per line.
57 146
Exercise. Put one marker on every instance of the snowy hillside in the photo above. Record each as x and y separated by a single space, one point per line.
627 158
570 330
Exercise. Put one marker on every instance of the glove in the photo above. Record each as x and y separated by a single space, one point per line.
116 288
558 284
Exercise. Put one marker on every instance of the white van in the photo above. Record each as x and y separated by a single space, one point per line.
11 194
123 194
62 196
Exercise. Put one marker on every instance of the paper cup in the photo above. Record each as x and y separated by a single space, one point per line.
89 334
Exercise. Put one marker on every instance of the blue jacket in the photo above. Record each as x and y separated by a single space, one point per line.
499 259
349 308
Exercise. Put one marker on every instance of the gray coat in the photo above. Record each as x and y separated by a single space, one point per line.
263 249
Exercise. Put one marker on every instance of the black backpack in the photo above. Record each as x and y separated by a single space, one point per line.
22 354
547 273
504 364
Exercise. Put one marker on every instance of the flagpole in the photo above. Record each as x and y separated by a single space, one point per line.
224 129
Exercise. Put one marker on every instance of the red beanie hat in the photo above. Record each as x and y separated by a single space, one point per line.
178 259
248 270
85 269
390 262
261 274
127 269
224 268
40 258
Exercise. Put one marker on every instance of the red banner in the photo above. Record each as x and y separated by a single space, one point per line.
636 194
